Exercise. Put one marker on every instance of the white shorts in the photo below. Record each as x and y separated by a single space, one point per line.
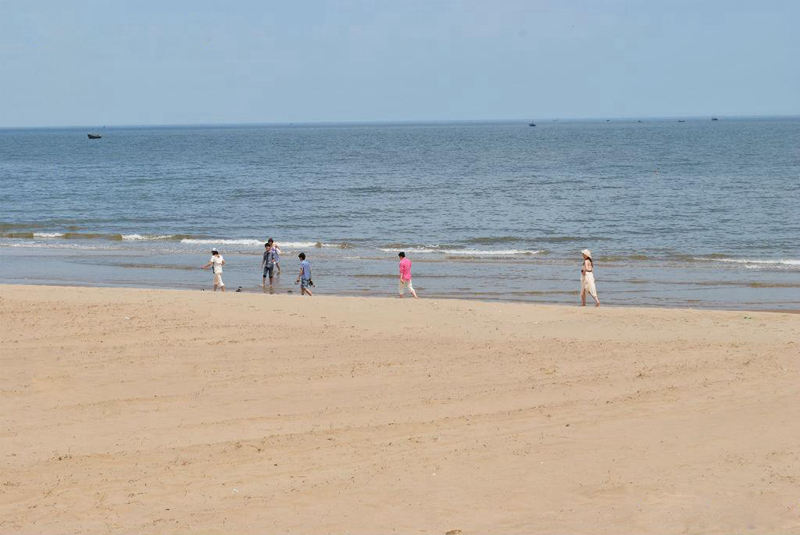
587 283
402 285
218 279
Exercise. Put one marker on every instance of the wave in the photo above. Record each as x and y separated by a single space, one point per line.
57 245
487 240
205 241
504 252
754 263
462 252
622 258
16 226
260 243
303 244
71 235
782 262
91 236
182 238
146 237
62 235
17 235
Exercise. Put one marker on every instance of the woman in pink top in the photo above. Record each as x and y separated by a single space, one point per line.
405 276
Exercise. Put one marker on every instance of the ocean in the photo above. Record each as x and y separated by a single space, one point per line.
698 213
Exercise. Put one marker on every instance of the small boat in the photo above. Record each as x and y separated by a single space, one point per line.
681 121
714 119
531 123
94 136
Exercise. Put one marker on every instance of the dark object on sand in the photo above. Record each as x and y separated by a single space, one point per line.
239 289
94 136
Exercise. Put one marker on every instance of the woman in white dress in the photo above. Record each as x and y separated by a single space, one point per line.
587 278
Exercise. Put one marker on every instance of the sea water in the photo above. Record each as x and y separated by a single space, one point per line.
699 213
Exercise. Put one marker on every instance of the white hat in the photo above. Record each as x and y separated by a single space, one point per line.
586 252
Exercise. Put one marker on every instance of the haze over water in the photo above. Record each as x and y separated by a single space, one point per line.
697 213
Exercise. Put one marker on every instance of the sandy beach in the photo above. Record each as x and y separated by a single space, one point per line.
153 411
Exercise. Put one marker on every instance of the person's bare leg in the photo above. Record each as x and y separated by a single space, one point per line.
413 292
596 300
583 297
222 288
306 290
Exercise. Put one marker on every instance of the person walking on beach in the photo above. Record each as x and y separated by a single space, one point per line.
216 262
268 264
405 276
304 277
277 257
587 278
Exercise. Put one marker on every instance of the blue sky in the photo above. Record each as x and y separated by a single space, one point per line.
123 62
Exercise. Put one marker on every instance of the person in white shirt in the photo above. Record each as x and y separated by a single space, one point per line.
217 262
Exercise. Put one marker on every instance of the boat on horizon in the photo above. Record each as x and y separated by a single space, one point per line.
94 136
531 123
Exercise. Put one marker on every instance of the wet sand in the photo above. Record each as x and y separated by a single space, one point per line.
155 411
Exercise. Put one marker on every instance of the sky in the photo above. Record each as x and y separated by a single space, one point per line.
120 62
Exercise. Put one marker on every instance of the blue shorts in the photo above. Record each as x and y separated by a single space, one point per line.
304 283
268 270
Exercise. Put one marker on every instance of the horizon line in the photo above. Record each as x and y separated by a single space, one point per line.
389 122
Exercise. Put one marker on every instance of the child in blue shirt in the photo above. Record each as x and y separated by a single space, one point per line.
304 277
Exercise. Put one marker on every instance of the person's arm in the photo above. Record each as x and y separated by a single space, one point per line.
223 261
299 274
207 265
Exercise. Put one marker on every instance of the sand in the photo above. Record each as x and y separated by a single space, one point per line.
149 411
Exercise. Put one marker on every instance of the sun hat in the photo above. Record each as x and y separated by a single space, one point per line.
586 252
214 251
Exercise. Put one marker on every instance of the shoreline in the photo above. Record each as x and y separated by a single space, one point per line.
169 411
295 293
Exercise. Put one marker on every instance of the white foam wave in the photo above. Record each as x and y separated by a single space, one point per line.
259 243
756 263
503 252
302 244
145 237
47 234
463 252
198 241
